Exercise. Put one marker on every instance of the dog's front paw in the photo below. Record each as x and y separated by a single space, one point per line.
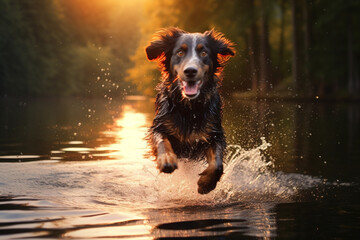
208 180
167 162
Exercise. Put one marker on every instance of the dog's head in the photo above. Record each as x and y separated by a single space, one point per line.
190 59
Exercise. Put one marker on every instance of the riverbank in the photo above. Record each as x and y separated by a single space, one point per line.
289 96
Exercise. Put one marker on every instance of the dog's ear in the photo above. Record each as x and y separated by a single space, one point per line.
154 50
163 42
223 47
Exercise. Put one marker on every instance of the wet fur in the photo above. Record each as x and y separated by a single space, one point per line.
189 128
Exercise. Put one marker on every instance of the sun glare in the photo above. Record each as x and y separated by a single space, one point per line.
128 132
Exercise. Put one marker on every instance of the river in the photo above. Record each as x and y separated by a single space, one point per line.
77 168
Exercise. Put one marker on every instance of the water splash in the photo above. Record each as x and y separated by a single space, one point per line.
251 177
248 177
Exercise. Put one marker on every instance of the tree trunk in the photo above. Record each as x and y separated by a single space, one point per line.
280 74
295 53
307 89
253 56
356 75
350 56
264 81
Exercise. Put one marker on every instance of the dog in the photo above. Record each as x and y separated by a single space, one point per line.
188 105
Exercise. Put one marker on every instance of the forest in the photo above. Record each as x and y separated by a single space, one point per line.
95 48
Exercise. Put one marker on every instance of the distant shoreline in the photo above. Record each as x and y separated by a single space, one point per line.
286 97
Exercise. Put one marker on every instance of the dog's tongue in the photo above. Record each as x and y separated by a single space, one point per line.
190 89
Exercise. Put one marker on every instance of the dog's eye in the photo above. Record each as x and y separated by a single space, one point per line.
203 54
180 53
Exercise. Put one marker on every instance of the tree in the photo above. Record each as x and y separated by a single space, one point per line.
265 60
296 50
252 48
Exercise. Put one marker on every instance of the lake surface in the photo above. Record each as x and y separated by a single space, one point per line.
77 168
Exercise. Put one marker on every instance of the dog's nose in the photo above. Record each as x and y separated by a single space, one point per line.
190 72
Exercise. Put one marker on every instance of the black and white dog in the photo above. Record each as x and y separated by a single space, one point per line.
188 105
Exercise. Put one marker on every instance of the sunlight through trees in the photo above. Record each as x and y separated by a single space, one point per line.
302 48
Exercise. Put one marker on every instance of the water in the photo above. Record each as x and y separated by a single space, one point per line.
77 168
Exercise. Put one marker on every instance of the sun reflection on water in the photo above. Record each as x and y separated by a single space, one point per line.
128 133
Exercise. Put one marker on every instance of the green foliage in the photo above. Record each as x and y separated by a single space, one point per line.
28 57
53 47
322 43
331 38
96 48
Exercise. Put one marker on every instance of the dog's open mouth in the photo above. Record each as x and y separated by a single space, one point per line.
191 89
